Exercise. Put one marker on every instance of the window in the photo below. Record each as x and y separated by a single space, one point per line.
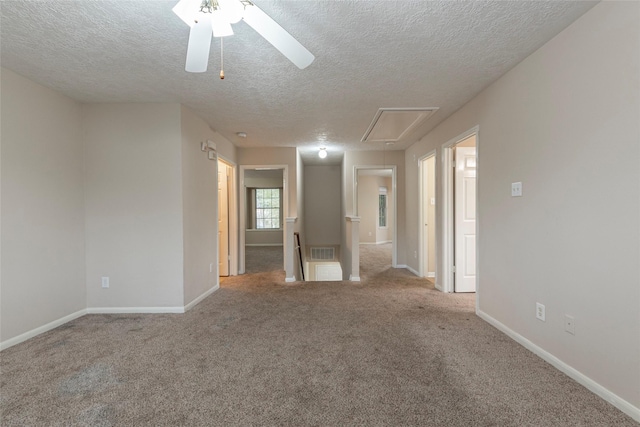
382 208
267 208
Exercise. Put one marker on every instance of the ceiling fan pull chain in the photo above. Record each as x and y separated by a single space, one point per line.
221 59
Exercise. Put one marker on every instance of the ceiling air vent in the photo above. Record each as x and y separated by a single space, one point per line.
393 124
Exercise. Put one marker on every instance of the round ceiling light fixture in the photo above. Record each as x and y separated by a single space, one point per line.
322 153
241 134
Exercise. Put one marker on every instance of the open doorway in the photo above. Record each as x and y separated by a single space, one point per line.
262 215
376 207
460 228
427 238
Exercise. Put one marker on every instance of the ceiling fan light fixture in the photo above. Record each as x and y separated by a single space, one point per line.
196 12
232 9
220 25
322 153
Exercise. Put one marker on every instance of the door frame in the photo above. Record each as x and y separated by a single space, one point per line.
421 239
394 244
243 210
448 213
233 214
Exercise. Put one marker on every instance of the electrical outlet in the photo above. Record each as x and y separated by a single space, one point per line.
570 324
516 189
105 282
540 314
415 254
211 268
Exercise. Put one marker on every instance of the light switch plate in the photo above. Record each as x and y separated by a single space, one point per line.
569 324
516 189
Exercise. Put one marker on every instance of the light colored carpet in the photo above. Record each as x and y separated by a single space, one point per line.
262 259
375 260
388 351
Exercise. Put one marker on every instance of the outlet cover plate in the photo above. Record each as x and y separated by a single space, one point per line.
540 311
516 189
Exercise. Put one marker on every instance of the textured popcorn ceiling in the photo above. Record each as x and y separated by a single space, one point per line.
369 55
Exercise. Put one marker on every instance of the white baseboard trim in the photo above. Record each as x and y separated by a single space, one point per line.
41 329
103 310
431 274
134 310
587 382
290 279
201 297
354 278
405 266
382 242
263 244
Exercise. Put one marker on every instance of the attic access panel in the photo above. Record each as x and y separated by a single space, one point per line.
393 124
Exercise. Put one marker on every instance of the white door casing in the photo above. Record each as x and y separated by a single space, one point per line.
287 251
394 206
426 166
465 219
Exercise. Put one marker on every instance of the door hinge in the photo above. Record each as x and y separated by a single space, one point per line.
453 164
453 269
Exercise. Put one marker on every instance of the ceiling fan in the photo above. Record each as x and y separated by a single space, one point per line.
207 17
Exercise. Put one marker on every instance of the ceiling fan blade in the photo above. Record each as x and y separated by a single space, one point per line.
277 36
187 10
199 46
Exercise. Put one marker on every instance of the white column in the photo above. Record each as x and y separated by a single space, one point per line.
353 242
289 247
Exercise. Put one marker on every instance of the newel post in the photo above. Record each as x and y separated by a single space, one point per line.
353 243
289 258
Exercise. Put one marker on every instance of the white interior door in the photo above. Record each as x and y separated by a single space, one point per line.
465 219
223 219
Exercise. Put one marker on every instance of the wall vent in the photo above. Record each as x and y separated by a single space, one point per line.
322 254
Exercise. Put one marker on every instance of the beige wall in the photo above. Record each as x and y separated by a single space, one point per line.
263 182
226 150
275 156
134 211
200 207
566 123
368 192
322 198
261 179
42 207
378 159
263 238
